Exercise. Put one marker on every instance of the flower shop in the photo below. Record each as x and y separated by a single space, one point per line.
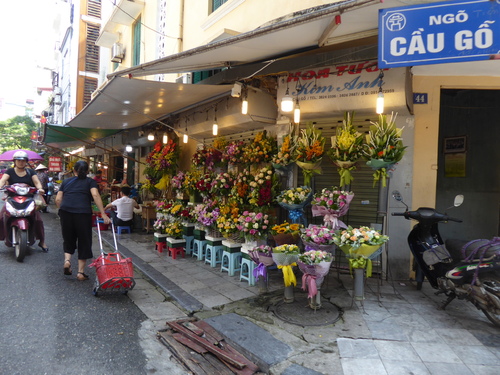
278 202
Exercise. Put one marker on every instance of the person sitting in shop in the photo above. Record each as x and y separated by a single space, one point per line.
123 208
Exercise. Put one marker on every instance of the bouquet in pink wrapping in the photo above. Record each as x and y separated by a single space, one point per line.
332 204
315 265
318 237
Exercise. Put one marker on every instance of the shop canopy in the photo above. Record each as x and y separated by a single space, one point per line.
59 136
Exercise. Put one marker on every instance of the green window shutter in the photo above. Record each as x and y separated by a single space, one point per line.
216 4
136 52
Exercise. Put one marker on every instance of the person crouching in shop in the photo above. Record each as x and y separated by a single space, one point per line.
123 208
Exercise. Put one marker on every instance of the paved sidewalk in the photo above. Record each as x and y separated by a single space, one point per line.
396 330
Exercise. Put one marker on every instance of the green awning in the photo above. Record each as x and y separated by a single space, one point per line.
66 136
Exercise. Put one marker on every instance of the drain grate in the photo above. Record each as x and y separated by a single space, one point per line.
299 312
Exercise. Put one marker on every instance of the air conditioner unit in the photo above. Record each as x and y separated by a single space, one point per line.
185 78
117 53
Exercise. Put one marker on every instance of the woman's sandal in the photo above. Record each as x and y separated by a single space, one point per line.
81 276
67 267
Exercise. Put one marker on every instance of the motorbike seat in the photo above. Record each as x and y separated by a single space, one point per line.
482 248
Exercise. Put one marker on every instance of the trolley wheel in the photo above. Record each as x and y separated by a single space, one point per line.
95 292
125 292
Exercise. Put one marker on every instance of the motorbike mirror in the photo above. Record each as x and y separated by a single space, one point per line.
397 195
459 199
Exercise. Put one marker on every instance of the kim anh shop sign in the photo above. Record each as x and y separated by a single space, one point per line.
444 32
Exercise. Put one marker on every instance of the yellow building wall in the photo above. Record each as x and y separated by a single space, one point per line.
425 158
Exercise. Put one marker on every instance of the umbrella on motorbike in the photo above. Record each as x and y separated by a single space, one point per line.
8 155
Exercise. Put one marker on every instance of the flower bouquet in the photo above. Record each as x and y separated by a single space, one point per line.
191 178
241 188
262 256
295 200
174 230
347 149
207 157
162 160
228 220
309 152
315 265
176 183
332 204
222 184
286 233
262 188
384 147
253 225
285 256
204 184
317 237
233 152
260 150
207 216
160 225
162 208
283 159
360 245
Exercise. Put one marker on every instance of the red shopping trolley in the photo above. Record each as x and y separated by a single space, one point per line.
113 272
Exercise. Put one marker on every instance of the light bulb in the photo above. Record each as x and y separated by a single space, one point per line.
296 113
185 138
244 106
128 148
380 102
151 137
287 104
165 138
215 129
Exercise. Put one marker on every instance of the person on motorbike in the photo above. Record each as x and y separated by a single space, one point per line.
21 174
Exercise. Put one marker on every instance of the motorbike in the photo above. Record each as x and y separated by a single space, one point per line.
467 270
21 202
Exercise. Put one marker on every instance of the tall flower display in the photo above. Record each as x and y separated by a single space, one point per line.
347 149
161 161
260 150
233 152
309 152
284 157
207 157
262 188
384 147
332 204
241 188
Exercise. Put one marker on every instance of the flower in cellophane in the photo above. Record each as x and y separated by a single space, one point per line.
285 256
332 204
295 200
347 149
315 265
318 237
309 152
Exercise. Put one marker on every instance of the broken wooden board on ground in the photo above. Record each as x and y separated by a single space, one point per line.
202 349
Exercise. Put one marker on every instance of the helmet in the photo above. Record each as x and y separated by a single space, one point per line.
20 155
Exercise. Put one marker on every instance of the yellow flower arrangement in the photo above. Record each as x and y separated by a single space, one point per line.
260 150
309 152
285 153
285 228
174 230
228 219
347 148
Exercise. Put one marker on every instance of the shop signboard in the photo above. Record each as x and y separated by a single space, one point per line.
444 32
329 91
55 164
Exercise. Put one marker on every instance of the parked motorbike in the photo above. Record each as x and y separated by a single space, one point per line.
19 217
458 269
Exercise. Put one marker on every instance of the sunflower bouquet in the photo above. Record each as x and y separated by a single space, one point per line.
286 233
384 147
347 149
309 152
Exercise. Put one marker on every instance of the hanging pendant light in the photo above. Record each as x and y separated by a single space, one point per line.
379 109
244 104
296 112
128 148
151 136
287 102
185 137
165 137
215 126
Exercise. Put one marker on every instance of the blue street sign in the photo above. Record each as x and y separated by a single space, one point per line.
449 31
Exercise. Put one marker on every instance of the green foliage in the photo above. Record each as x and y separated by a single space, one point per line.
16 133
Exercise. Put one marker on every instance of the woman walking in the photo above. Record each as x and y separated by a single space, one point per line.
74 200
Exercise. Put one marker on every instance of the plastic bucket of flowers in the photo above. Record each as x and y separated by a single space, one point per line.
285 257
314 265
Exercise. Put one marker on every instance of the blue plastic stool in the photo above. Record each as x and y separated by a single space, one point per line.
189 244
246 273
199 249
121 229
213 254
230 262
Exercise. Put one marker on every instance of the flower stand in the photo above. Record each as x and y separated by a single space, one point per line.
176 246
213 251
231 257
188 229
199 249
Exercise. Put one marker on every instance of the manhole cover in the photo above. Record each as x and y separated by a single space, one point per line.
299 312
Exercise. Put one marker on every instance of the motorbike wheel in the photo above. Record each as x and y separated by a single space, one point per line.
22 244
492 285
